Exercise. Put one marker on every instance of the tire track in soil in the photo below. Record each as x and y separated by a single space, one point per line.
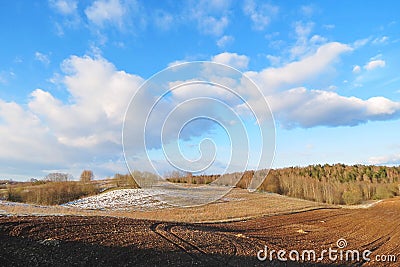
236 247
164 230
229 237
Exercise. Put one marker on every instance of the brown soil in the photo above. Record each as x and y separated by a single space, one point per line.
109 241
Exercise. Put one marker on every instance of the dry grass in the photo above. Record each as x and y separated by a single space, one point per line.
51 193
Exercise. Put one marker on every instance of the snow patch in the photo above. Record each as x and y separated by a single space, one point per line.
122 199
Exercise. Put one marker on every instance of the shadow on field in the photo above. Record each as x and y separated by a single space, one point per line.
18 251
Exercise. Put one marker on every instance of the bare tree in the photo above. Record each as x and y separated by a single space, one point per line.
58 177
87 176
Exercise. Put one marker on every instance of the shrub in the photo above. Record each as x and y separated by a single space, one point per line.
125 180
385 191
58 177
353 195
87 176
51 193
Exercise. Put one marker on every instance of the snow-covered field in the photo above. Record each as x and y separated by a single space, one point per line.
150 198
122 199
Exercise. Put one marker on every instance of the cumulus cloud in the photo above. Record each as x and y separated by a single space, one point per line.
88 126
294 73
259 13
373 64
232 59
99 94
300 107
297 106
27 143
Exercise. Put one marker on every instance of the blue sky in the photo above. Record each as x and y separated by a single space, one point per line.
328 69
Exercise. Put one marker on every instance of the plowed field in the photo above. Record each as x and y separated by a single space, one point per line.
109 241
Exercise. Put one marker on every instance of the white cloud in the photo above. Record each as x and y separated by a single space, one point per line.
260 14
42 58
232 59
6 76
59 29
225 40
25 139
307 10
64 7
380 40
69 10
304 45
317 39
102 11
294 73
361 42
275 60
123 14
212 16
378 106
303 29
300 107
296 106
72 134
385 160
214 26
373 64
356 69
